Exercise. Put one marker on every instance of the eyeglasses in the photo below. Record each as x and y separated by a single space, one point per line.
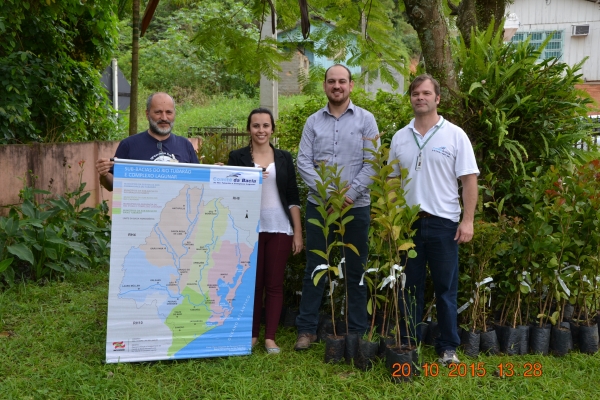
159 146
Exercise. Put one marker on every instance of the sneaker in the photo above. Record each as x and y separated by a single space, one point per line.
304 340
448 357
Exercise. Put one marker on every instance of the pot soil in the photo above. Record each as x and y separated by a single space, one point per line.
575 334
568 312
325 328
560 341
367 353
400 362
489 342
351 347
433 331
539 339
424 329
510 343
340 327
588 339
334 348
524 339
500 332
470 342
289 320
384 343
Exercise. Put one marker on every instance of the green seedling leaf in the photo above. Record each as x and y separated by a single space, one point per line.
21 251
4 264
353 248
321 253
318 277
51 253
316 222
406 246
78 247
28 209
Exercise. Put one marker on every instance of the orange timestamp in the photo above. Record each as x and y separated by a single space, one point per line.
462 370
527 370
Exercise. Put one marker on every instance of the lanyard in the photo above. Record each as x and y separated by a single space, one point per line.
420 157
429 138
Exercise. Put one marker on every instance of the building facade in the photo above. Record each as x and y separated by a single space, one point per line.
573 25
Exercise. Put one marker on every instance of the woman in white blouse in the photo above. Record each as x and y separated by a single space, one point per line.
280 227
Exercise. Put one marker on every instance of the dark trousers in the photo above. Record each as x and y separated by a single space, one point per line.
357 233
436 247
273 252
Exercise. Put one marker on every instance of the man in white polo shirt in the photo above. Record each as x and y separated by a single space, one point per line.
437 154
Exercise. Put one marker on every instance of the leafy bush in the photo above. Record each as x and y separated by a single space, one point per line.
391 111
518 113
291 123
210 47
49 60
549 253
55 236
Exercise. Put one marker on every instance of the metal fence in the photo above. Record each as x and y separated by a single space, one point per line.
217 142
595 121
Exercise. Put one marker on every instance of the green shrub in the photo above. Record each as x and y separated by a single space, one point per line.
53 237
50 56
518 113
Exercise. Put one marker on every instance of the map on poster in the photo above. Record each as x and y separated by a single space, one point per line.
183 261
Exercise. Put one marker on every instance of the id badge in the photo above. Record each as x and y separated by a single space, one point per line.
419 162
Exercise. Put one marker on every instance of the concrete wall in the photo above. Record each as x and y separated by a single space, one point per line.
290 72
56 168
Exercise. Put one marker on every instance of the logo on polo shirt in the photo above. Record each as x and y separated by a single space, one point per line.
442 150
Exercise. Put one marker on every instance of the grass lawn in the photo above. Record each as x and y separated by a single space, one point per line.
52 342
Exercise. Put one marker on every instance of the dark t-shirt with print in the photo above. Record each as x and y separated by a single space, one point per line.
144 147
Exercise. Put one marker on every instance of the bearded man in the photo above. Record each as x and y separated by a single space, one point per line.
339 134
155 144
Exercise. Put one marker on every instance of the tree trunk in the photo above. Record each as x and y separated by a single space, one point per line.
488 10
466 18
135 46
427 18
477 14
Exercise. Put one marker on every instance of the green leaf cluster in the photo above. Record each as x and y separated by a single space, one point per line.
362 31
330 206
54 236
390 242
519 113
50 56
548 256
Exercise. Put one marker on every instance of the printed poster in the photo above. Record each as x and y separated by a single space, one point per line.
183 261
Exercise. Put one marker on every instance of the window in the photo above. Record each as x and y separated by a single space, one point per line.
554 48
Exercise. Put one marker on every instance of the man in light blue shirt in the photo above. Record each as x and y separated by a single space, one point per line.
338 134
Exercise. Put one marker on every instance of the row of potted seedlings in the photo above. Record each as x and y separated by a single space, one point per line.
537 276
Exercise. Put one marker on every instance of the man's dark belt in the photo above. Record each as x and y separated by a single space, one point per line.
424 214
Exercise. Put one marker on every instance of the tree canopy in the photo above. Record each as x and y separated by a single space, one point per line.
51 53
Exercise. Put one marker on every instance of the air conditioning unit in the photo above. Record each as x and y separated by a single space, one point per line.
581 30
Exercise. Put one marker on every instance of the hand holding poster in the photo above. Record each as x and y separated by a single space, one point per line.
183 260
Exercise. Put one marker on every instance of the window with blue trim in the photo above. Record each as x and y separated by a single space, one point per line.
554 48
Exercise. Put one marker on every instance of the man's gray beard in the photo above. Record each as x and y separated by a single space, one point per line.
156 129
